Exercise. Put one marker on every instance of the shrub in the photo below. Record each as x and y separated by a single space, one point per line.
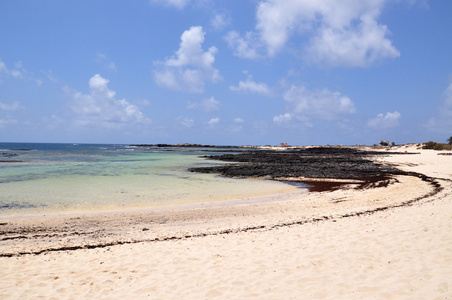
438 147
429 145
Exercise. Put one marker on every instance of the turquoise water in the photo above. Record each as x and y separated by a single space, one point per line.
58 178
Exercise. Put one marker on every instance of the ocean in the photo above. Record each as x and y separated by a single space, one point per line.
40 178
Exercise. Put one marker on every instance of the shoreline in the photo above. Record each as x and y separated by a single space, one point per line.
328 198
385 242
263 165
241 200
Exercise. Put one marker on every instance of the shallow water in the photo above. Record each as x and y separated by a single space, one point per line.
55 178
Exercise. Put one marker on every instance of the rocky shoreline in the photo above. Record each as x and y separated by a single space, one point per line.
323 168
185 145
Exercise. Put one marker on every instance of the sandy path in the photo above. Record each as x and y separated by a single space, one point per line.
399 253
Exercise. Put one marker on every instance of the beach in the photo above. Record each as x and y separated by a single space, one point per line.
385 242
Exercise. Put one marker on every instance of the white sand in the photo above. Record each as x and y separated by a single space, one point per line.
398 253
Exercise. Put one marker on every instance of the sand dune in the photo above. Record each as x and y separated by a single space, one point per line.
316 246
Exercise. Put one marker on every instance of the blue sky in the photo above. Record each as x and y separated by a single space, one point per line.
226 72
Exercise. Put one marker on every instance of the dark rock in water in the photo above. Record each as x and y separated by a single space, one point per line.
320 162
186 145
5 154
16 205
8 155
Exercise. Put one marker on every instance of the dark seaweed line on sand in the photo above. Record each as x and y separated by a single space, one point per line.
437 188
45 235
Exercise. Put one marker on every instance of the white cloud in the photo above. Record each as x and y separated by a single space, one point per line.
220 21
207 105
237 125
10 107
448 100
102 59
3 68
213 121
251 86
19 73
191 52
16 73
19 70
188 122
8 72
5 122
191 66
282 119
166 78
355 48
111 66
292 120
442 121
176 3
244 47
101 108
390 120
339 33
322 104
50 76
5 111
142 102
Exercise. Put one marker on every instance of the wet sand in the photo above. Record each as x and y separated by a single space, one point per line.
387 242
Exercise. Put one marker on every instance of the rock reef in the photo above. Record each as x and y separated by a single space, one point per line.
314 166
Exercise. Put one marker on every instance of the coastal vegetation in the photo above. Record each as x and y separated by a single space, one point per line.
438 146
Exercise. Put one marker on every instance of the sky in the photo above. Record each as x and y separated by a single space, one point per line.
226 72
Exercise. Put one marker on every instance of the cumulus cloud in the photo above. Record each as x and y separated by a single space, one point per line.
356 48
339 33
321 104
207 105
101 108
191 66
390 120
251 86
238 120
